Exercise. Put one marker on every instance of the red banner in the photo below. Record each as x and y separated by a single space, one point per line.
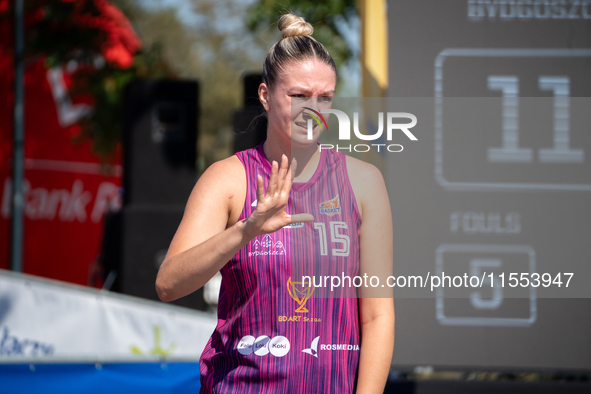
67 191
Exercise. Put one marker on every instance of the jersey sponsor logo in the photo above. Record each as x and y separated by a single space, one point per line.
313 349
278 346
294 225
300 293
331 207
339 346
267 247
298 319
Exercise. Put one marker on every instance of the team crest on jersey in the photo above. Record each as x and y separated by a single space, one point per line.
267 247
331 207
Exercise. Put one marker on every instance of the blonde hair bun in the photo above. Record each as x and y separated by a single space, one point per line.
292 25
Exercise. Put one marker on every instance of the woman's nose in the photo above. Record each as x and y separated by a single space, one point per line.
315 104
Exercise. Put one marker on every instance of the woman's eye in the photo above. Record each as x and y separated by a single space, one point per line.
324 99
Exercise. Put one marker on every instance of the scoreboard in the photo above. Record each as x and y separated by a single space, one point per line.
498 184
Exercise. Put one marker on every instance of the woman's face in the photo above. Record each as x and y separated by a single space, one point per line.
310 84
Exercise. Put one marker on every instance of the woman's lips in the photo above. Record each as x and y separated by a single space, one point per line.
304 125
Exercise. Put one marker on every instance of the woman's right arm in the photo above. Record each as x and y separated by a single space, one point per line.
202 244
206 239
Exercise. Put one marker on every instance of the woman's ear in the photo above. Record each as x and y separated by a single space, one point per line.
264 95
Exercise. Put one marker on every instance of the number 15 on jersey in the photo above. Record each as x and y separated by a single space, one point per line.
339 240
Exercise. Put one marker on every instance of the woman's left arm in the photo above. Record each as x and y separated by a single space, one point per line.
377 344
376 305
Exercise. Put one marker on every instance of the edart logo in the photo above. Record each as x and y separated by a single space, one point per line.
278 346
300 294
345 128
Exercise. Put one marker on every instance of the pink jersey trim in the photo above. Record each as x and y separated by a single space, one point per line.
298 186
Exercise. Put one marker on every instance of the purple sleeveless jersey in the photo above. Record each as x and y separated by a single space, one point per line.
273 335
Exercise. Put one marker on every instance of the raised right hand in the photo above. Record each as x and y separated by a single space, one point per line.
270 214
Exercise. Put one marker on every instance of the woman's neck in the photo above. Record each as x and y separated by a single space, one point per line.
307 157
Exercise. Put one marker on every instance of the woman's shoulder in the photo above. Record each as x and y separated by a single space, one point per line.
362 172
366 180
225 172
223 185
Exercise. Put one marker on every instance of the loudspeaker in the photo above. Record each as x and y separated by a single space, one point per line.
159 141
250 128
159 173
251 84
250 122
146 236
111 252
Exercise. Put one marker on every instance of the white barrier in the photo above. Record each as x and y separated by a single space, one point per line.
47 319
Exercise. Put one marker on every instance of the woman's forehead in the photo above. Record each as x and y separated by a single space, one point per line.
310 74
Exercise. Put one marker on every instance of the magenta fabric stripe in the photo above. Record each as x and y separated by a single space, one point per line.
273 334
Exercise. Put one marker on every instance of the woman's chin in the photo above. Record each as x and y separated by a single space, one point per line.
299 137
300 141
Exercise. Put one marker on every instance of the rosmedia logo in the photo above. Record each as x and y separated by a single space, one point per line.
392 124
313 349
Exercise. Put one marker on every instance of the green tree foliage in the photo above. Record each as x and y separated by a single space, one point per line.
323 16
75 33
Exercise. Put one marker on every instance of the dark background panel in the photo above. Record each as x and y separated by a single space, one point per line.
146 235
160 141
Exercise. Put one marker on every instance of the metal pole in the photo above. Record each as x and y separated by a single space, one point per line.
19 138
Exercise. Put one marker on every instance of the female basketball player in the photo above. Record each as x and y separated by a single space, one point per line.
257 214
